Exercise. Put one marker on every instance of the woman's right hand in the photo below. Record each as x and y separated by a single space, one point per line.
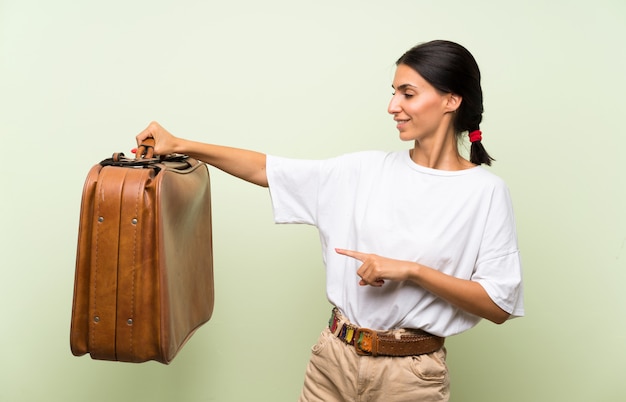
245 164
164 142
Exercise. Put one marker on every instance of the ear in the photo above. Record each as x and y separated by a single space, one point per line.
453 102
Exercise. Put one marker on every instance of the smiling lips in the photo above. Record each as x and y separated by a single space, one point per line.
400 122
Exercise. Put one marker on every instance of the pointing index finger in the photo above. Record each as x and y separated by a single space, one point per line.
350 253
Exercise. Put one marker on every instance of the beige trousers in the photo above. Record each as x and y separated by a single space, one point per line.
336 373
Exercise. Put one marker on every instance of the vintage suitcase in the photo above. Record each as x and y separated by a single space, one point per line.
144 265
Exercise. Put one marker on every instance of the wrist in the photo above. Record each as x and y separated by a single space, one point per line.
414 271
181 146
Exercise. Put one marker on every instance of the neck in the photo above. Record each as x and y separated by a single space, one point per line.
440 152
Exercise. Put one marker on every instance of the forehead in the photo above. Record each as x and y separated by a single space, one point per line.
406 77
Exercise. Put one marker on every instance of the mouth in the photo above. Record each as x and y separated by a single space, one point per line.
400 123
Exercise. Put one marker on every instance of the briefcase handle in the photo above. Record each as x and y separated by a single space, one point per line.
145 157
143 153
145 149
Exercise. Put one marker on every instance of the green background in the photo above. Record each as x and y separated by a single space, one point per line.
310 79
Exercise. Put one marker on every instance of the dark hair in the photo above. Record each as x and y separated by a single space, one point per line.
451 68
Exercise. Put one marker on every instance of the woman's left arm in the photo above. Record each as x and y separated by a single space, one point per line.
465 294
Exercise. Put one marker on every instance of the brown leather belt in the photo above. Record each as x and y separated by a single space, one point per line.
368 342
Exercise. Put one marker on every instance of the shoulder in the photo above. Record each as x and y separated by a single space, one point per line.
348 160
364 162
355 163
352 156
367 156
481 175
495 193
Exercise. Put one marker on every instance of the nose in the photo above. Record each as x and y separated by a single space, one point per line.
394 106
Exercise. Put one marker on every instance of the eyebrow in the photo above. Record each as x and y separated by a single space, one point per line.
403 87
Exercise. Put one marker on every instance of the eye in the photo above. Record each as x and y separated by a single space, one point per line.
405 94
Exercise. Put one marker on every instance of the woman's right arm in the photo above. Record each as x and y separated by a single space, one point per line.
241 163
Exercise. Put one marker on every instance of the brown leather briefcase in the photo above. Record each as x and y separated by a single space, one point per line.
144 265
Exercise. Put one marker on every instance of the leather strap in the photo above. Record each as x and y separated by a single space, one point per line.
103 277
146 149
368 342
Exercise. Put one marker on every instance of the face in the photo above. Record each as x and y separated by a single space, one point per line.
419 110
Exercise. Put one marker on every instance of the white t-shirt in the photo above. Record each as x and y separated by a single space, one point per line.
458 222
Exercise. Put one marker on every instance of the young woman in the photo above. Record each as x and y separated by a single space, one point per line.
418 244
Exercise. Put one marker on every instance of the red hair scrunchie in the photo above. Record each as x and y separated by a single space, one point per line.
475 135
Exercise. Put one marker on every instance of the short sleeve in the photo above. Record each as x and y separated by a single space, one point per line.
498 267
502 280
294 189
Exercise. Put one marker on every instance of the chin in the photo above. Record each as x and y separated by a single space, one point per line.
407 137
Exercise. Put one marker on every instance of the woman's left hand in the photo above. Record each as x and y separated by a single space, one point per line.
375 269
466 294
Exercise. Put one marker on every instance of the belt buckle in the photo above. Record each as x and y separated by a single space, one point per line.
366 342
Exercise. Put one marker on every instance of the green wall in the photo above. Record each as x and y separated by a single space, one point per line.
79 79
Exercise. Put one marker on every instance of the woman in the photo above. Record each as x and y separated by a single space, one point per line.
418 245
